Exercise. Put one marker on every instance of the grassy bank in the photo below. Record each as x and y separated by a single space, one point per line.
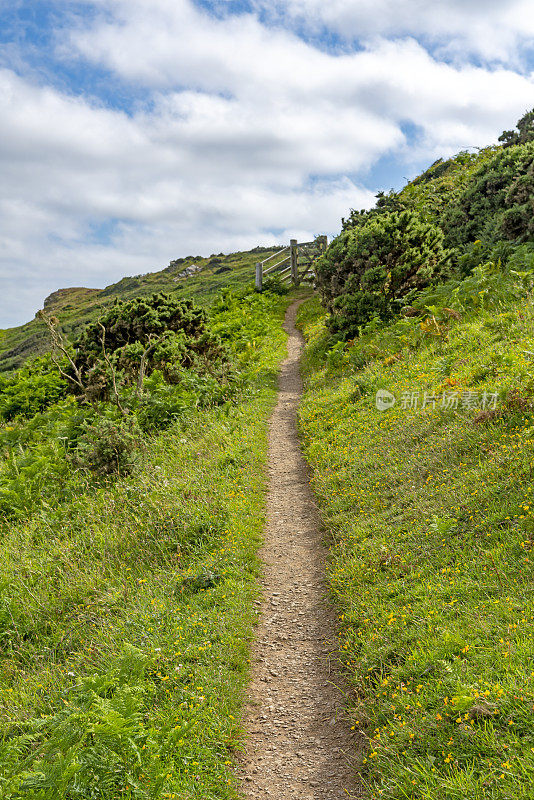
430 516
125 614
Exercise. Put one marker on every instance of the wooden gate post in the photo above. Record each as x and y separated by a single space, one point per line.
259 277
294 262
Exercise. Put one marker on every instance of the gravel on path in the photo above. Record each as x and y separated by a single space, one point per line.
299 741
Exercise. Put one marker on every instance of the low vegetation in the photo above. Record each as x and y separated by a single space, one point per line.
429 505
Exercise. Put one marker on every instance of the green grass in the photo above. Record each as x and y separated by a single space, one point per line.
77 307
430 519
126 615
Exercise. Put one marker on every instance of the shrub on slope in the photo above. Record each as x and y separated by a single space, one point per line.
55 443
373 268
426 232
498 203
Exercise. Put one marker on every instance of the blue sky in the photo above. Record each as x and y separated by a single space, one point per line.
138 131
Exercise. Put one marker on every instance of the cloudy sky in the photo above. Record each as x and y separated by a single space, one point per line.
133 132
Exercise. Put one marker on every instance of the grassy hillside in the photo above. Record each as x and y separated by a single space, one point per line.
429 510
126 601
418 422
78 306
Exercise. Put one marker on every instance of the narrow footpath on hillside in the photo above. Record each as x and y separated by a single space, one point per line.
299 742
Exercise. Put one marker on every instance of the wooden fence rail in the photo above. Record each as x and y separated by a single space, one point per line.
301 258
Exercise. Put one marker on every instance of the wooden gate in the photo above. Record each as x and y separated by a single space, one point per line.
296 263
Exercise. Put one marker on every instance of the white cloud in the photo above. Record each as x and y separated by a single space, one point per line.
166 178
495 30
252 135
277 81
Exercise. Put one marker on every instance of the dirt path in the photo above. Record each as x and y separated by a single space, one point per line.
299 742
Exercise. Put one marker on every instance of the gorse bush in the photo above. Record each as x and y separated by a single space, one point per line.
498 202
132 339
374 268
81 413
460 214
523 133
108 446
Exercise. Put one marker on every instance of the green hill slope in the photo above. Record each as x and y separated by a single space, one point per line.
418 422
128 573
429 506
197 278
